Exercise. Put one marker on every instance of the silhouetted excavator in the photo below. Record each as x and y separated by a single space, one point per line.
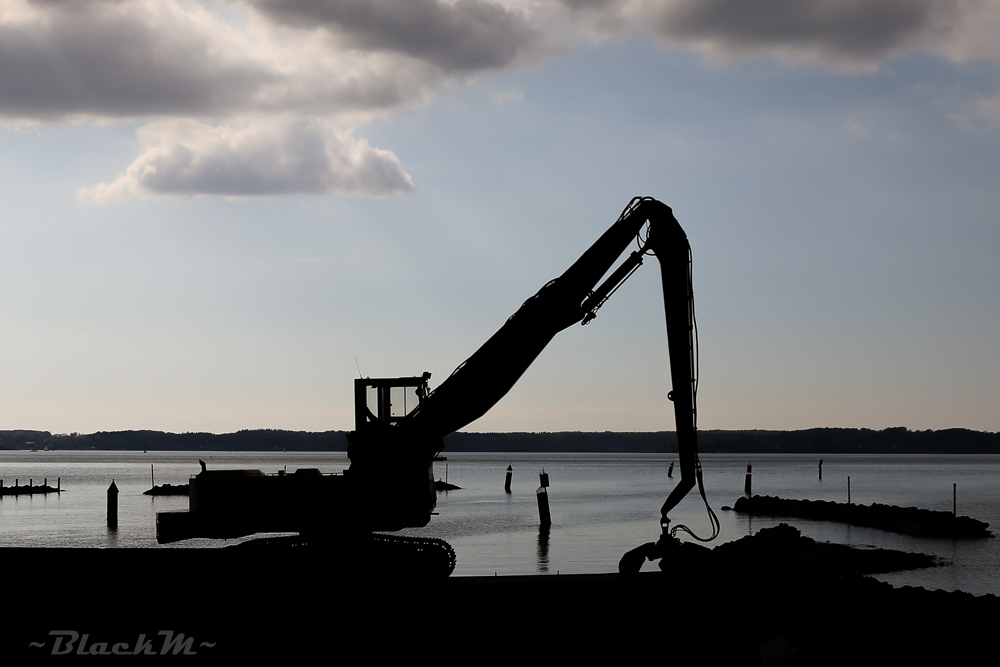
400 424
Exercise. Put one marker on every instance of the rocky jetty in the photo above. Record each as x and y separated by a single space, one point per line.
904 520
783 550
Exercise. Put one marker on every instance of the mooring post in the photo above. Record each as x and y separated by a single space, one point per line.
821 469
59 484
670 470
746 484
113 506
544 518
848 489
510 473
954 498
152 480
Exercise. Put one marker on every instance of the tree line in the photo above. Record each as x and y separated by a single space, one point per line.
896 440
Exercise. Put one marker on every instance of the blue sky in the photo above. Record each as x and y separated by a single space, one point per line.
213 213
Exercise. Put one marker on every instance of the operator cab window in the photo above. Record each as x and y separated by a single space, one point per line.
385 401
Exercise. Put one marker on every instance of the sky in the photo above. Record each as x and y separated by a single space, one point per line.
214 215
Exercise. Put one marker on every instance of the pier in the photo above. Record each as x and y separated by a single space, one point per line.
30 489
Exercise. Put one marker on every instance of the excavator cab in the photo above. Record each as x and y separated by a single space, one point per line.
389 455
383 402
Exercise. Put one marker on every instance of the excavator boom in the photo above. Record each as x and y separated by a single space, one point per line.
485 377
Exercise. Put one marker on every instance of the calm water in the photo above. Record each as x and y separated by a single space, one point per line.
602 504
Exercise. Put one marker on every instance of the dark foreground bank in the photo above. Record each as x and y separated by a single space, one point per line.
776 600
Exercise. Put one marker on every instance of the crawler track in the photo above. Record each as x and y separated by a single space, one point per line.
388 554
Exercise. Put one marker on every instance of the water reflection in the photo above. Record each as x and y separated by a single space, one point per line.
543 549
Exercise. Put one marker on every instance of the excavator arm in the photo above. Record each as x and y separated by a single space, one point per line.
485 377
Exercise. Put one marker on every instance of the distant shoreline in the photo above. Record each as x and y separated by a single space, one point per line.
896 440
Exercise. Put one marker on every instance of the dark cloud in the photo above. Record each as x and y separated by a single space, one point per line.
467 35
852 29
106 60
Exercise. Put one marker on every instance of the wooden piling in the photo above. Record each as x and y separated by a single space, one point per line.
510 474
821 470
544 518
746 484
113 506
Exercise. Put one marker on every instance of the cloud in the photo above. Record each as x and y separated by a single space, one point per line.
183 158
989 109
320 69
462 36
354 59
108 59
856 34
121 59
511 96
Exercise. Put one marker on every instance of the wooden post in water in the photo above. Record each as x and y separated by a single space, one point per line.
848 489
510 473
544 518
821 470
670 470
954 498
59 484
113 506
746 483
152 480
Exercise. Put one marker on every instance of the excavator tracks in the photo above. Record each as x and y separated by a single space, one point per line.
391 555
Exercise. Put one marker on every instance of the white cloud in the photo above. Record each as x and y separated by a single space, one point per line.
186 158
